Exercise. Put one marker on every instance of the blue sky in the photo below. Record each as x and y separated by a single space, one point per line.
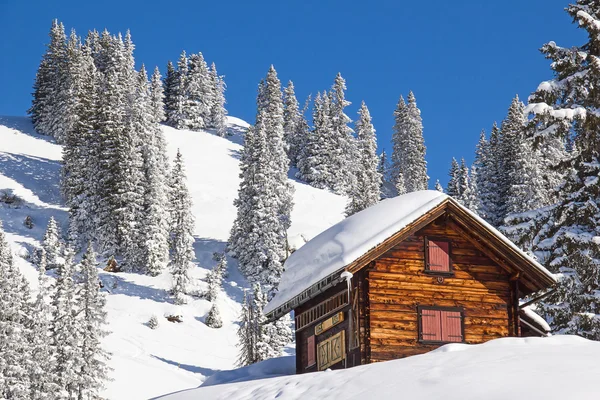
464 60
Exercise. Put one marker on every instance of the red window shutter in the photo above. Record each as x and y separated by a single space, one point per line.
439 255
431 328
310 344
451 322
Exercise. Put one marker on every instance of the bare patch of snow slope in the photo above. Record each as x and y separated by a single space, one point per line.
174 357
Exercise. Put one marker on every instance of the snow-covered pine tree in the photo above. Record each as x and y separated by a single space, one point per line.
218 113
453 188
181 239
50 81
176 101
259 235
247 333
382 166
291 119
482 169
271 337
314 160
366 191
470 198
42 386
198 94
14 321
438 186
463 180
562 108
343 144
66 337
170 91
157 96
51 245
213 319
81 152
154 218
215 282
93 370
491 198
409 167
415 170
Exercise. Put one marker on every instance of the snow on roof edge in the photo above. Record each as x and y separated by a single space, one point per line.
297 278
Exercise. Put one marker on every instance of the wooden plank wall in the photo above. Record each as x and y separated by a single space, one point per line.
397 284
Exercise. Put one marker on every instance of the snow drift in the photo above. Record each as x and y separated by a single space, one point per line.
559 367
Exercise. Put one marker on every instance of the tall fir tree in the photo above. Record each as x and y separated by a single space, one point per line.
176 100
198 94
15 362
366 191
218 113
51 245
564 109
157 96
181 237
42 385
453 188
170 91
291 120
259 235
93 370
66 337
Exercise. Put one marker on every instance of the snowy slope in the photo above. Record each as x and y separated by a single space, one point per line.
559 367
149 363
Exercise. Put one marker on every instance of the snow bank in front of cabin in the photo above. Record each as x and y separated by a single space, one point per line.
265 369
343 243
558 367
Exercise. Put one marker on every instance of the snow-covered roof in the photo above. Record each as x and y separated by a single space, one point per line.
342 244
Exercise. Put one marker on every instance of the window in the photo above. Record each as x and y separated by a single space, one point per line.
437 256
439 324
310 345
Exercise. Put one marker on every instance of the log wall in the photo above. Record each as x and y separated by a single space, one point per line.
398 284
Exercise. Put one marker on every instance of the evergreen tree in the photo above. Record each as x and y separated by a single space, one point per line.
198 94
491 199
154 239
176 101
42 386
408 156
291 120
51 245
170 92
14 320
66 336
470 197
463 179
453 188
157 96
93 368
182 230
213 319
259 234
483 167
218 113
343 145
366 192
247 333
564 109
50 80
314 160
438 186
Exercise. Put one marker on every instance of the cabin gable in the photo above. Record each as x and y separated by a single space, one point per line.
414 308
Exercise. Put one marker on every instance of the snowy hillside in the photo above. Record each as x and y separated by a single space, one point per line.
174 357
559 367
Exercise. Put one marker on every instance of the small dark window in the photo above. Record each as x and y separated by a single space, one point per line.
442 325
310 345
437 256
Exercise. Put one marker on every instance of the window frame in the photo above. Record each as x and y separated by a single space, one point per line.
420 309
428 271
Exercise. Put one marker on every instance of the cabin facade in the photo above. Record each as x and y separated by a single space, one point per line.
444 277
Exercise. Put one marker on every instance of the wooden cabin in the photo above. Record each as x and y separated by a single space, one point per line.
402 278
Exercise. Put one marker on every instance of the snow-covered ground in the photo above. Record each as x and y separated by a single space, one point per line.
558 367
147 363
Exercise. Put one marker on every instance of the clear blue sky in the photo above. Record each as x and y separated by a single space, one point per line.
464 60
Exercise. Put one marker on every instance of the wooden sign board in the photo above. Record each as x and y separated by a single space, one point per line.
331 351
329 323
